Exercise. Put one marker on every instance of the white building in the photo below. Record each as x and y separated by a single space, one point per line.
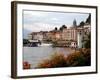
82 35
80 39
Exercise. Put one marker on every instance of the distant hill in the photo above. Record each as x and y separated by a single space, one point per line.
25 33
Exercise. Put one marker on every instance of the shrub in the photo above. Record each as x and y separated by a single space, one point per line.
78 58
75 59
87 56
44 64
56 60
26 65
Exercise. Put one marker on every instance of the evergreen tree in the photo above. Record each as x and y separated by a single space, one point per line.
62 27
88 20
56 29
81 24
88 42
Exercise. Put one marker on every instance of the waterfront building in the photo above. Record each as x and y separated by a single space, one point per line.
30 37
36 36
72 36
54 35
42 35
69 34
49 35
80 35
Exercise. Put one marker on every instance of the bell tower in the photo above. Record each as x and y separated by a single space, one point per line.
74 23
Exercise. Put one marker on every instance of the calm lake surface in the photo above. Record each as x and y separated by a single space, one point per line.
35 55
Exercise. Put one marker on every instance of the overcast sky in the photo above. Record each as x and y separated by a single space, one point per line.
45 21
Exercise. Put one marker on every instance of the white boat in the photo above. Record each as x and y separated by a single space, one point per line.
45 44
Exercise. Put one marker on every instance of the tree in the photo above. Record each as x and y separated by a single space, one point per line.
62 27
82 23
56 29
88 20
87 43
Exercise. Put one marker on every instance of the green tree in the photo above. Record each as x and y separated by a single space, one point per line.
88 20
62 27
82 23
87 43
56 29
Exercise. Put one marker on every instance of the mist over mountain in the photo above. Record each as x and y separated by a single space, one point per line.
25 33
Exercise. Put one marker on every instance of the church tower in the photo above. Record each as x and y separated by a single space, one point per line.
74 23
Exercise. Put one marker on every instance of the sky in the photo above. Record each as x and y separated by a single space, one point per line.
35 21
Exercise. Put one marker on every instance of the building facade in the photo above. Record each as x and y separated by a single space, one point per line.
72 36
69 34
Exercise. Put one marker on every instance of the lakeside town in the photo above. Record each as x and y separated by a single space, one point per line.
76 37
63 37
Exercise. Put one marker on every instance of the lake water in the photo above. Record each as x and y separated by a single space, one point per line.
35 55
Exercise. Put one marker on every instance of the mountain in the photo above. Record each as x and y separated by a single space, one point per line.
25 33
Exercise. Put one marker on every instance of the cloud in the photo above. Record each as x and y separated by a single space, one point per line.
36 27
40 27
33 13
54 19
45 21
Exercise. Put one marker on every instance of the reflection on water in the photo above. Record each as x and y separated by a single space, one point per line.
34 55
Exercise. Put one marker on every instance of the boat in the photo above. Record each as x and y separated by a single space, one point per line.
34 43
44 44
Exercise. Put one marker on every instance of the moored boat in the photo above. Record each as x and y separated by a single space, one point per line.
45 44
